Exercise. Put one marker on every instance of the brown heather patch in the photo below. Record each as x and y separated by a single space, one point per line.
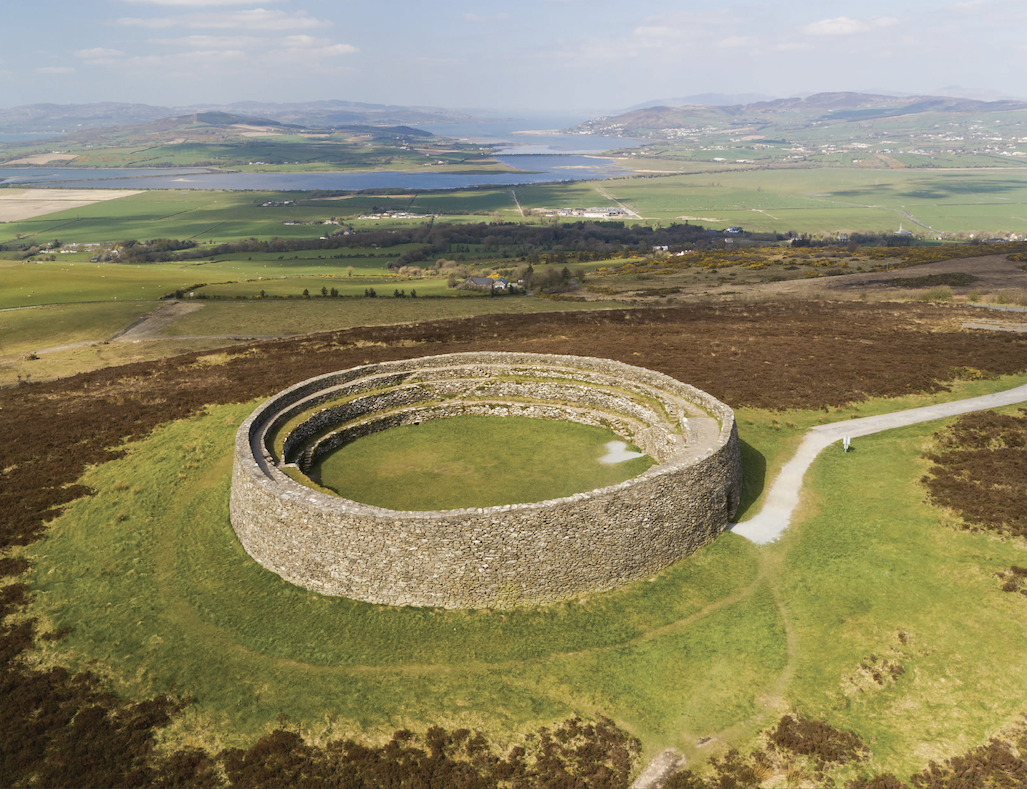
798 749
980 471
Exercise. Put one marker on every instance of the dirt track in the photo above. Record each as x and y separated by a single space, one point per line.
147 326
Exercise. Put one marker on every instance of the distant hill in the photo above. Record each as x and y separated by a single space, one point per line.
820 108
58 118
228 119
704 100
54 119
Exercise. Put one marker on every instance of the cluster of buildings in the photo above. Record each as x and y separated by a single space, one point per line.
395 215
599 212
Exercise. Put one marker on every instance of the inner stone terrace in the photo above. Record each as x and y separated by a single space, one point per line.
496 556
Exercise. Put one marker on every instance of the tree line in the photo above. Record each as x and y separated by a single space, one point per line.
583 240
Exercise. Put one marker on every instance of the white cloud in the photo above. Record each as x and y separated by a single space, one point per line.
973 7
196 63
736 41
308 46
846 26
55 70
794 46
195 3
253 19
209 42
97 53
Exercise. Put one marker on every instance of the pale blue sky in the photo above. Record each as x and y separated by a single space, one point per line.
544 55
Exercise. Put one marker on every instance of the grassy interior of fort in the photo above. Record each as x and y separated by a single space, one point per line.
474 461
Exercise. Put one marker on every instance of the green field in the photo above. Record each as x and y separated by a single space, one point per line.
26 330
474 461
159 591
66 281
186 214
836 200
809 200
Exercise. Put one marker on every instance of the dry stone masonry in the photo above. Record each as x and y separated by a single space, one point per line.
494 557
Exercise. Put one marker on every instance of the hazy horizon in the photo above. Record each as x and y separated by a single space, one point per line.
537 56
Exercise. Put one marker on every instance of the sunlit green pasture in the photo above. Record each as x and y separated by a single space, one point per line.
160 595
221 216
64 281
836 200
202 216
293 287
26 330
29 284
576 194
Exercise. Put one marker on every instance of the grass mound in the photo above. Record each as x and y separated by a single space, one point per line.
474 461
154 583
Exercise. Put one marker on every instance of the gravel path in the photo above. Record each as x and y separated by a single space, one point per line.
783 497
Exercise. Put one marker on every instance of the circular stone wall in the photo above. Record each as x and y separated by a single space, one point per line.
494 557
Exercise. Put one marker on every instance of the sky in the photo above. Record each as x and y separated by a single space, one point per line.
529 56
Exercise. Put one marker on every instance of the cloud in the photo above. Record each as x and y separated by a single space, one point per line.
209 42
794 46
485 17
972 7
252 19
97 53
736 41
308 46
196 64
55 70
846 26
195 3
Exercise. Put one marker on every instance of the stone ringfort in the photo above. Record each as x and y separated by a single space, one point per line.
494 557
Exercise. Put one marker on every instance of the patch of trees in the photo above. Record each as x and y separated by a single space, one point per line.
853 240
580 240
153 251
551 280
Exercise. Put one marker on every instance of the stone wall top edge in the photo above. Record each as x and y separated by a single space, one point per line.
269 477
591 363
